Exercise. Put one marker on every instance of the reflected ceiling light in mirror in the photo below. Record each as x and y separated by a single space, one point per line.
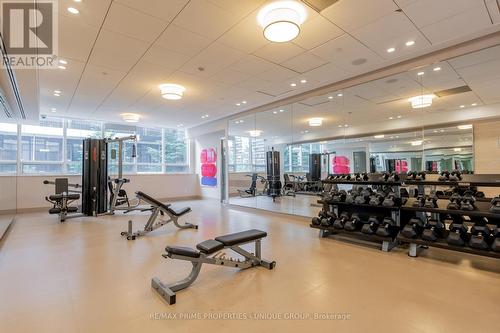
379 136
275 112
464 127
457 149
399 117
180 125
436 69
391 118
420 73
281 110
130 117
73 10
340 94
293 84
417 143
410 43
281 20
244 102
330 97
391 49
172 91
315 122
303 81
422 101
462 106
473 104
255 133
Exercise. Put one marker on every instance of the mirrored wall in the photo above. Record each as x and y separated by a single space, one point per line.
412 121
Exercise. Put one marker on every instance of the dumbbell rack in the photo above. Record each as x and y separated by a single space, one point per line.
482 210
336 207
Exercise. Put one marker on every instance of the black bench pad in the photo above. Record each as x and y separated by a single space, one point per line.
165 207
241 237
178 212
182 251
210 246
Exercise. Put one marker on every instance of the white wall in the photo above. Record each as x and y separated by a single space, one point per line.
208 141
31 191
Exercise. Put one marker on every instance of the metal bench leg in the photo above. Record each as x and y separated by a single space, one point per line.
167 292
182 226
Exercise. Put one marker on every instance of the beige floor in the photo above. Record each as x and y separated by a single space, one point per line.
81 276
301 204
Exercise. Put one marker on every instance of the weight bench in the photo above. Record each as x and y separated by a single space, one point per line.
209 252
157 208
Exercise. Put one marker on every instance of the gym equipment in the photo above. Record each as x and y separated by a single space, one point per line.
208 252
364 196
391 200
354 223
289 186
315 167
318 220
117 196
413 228
393 177
388 227
94 177
455 175
361 177
157 208
377 198
434 229
62 199
252 190
351 196
340 221
495 205
458 233
481 235
455 201
414 175
495 245
420 201
431 201
370 226
444 176
273 174
384 176
339 196
468 201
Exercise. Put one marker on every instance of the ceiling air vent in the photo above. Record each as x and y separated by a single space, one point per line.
453 91
319 5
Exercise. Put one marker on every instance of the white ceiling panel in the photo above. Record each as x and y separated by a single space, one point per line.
316 31
304 62
486 55
164 10
253 83
346 53
246 36
353 14
133 23
487 91
229 77
393 30
92 12
213 59
327 73
206 19
453 27
183 41
279 52
240 7
70 47
276 74
117 51
98 82
252 65
164 58
481 72
494 10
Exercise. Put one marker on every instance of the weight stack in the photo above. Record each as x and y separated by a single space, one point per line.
315 167
273 173
94 177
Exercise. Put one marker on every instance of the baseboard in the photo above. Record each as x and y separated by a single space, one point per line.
4 226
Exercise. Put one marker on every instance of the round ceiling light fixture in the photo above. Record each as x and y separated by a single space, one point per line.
315 122
255 133
422 101
130 117
281 20
172 91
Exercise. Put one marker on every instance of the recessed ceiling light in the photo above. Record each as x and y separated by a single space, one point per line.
464 127
340 126
379 136
73 10
281 20
420 73
417 143
77 0
441 130
293 84
244 102
242 121
391 49
180 125
62 61
275 112
340 94
422 101
346 125
172 91
330 97
462 106
238 104
61 67
53 109
391 118
435 131
314 122
282 110
255 133
130 117
57 91
436 69
303 81
473 104
399 117
57 95
410 43
457 149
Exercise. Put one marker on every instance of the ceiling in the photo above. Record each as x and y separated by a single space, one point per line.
119 51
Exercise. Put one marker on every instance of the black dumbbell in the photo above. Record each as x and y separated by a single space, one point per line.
384 176
391 200
431 201
495 205
387 228
339 196
420 175
413 228
455 202
328 220
370 226
434 229
376 199
468 201
365 177
495 245
354 223
457 235
351 196
393 177
481 236
455 175
420 201
340 221
364 196
321 215
444 176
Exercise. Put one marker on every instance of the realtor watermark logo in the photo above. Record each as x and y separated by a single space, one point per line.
29 33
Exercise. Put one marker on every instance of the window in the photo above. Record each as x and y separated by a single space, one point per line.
176 151
120 131
297 156
8 148
246 154
149 150
76 131
42 147
259 155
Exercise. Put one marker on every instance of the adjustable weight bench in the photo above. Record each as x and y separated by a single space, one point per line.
209 252
157 208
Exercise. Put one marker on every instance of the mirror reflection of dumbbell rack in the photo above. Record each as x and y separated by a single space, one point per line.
368 216
464 222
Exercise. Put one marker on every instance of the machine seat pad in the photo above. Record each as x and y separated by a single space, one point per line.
56 197
178 212
182 251
151 200
74 196
72 209
54 210
210 246
241 237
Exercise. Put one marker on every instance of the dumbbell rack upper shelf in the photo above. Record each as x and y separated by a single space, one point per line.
482 209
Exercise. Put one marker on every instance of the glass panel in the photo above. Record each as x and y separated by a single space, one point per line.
176 146
8 148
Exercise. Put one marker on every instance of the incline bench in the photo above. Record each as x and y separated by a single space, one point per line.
157 208
209 253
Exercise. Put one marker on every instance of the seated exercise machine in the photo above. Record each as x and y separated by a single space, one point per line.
157 208
117 196
208 252
252 190
62 199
